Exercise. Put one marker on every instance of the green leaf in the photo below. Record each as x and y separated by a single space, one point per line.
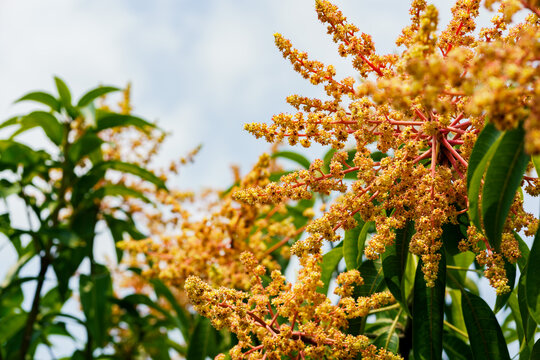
94 94
458 279
11 324
350 244
511 275
454 313
428 314
532 285
183 320
372 273
41 97
118 227
117 190
485 335
329 264
529 325
455 348
131 169
94 292
475 182
13 154
394 261
7 188
502 180
198 342
48 122
362 238
111 120
487 137
297 158
65 265
535 354
84 146
387 342
524 249
63 91
451 237
327 159
513 304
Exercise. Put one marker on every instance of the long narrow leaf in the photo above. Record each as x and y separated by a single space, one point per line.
132 169
428 314
198 342
94 94
350 244
532 285
394 261
474 185
111 120
486 139
41 97
290 155
502 180
485 335
329 264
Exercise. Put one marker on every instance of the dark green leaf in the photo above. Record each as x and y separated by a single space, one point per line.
535 354
362 238
117 190
65 265
94 292
511 275
162 290
475 183
297 158
487 137
350 244
198 342
529 325
329 264
94 94
532 285
131 169
111 120
387 341
15 154
513 304
502 180
41 97
456 348
485 335
524 249
394 261
85 145
372 273
428 314
451 237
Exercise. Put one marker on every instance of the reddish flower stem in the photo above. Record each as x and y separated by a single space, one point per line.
457 120
422 157
453 161
454 152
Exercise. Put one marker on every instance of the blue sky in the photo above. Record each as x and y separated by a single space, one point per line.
201 68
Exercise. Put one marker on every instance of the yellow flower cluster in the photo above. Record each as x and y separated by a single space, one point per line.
207 241
292 321
423 109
